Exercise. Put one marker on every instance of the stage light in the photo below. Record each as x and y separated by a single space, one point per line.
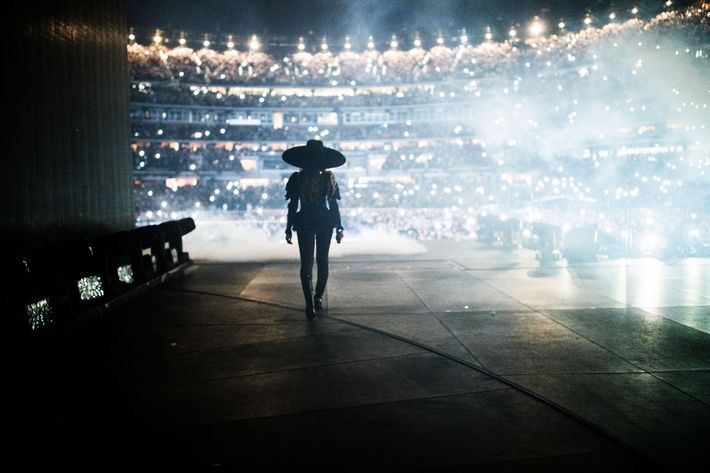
489 34
90 287
537 27
39 314
254 43
125 274
651 242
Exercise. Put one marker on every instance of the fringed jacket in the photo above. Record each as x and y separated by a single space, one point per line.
318 193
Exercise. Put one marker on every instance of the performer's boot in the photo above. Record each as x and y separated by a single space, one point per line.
318 303
318 297
307 285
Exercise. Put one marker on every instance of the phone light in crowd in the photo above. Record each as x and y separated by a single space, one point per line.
612 16
561 25
588 21
537 27
393 42
489 33
440 39
634 11
669 3
348 45
230 42
417 41
131 37
324 44
157 38
370 43
206 43
301 45
512 33
464 37
254 43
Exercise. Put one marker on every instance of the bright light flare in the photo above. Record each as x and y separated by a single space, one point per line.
537 27
651 242
254 43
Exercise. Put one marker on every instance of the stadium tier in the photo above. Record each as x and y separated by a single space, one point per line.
603 128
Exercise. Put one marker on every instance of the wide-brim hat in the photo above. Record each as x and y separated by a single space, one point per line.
313 155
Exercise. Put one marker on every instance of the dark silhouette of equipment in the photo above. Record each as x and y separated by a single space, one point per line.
53 288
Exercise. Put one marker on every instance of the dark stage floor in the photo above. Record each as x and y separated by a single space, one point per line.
459 359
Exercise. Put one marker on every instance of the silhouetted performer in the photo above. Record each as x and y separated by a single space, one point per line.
317 191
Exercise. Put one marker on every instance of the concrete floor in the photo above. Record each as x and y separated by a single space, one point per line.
455 360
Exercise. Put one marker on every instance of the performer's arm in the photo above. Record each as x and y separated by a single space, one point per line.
333 203
292 194
333 197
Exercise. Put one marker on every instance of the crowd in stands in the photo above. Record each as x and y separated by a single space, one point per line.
201 95
293 133
441 62
568 145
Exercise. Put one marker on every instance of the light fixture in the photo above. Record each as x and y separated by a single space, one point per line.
254 43
537 27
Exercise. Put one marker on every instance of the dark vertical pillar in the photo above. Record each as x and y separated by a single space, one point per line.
68 173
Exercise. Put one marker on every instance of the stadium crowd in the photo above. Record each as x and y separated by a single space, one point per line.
156 62
573 130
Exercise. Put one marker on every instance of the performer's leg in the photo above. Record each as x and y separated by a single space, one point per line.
306 242
323 237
